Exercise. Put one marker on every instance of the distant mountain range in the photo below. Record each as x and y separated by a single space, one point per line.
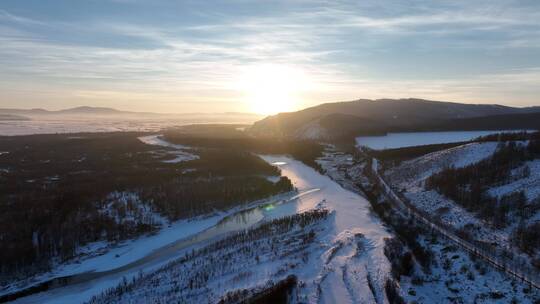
370 117
102 111
11 117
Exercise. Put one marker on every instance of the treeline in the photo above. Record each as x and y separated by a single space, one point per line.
509 136
56 190
398 155
185 197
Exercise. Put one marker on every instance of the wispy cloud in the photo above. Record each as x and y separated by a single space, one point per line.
479 50
7 17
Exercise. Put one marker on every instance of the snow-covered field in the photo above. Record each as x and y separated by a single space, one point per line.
400 140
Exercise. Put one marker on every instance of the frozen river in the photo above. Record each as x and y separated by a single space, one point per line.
410 139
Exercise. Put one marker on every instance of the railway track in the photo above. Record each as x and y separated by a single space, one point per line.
483 254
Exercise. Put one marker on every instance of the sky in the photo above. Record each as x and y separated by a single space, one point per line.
265 56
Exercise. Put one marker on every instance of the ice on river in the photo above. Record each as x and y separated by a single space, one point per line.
352 216
411 139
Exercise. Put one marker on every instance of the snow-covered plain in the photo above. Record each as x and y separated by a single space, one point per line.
410 139
53 124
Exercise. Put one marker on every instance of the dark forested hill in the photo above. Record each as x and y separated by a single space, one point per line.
375 116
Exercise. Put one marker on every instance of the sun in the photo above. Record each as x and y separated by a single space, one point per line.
272 88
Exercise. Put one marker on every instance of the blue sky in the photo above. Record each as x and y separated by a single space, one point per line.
195 56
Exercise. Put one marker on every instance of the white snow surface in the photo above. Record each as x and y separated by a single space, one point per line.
410 139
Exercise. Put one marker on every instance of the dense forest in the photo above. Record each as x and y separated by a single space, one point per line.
468 187
222 136
60 192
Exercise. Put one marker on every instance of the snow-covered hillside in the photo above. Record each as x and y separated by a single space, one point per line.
414 172
410 177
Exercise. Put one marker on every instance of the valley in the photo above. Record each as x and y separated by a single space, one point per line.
270 152
174 215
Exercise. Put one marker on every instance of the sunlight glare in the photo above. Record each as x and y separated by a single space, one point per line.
271 88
